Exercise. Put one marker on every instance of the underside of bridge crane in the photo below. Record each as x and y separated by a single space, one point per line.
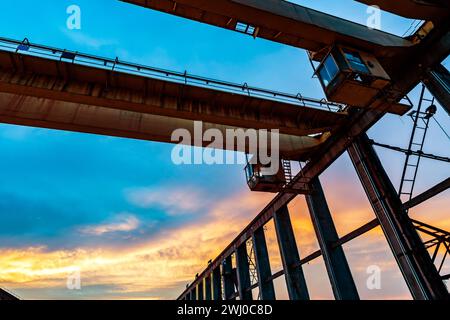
365 74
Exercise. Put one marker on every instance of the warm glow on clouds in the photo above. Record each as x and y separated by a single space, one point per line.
124 222
175 200
160 267
166 262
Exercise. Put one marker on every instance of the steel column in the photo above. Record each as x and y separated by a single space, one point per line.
193 294
295 279
208 289
413 259
339 273
200 290
217 284
228 283
243 273
265 283
438 83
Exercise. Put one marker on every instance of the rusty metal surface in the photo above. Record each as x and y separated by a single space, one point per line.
95 97
283 22
422 10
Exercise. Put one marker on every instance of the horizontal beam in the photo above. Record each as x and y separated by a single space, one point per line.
430 193
282 22
416 153
413 9
57 94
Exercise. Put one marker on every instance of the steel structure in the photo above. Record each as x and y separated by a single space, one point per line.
52 88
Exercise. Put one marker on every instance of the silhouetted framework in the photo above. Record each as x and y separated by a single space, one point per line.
58 89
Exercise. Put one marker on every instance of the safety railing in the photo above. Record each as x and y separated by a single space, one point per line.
26 48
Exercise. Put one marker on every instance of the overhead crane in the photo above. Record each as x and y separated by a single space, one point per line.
102 99
404 63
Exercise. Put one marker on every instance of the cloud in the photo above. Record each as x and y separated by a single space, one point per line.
124 223
174 200
84 39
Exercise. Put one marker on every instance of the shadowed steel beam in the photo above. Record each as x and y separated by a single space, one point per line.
193 294
440 187
200 290
282 22
208 290
413 259
243 273
217 284
339 273
5 295
228 283
295 279
413 9
266 288
430 52
438 82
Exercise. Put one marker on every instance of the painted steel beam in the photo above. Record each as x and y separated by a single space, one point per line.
295 279
217 284
265 283
413 259
243 273
430 193
282 22
193 294
339 273
41 92
413 9
438 83
6 296
208 288
227 274
431 52
201 290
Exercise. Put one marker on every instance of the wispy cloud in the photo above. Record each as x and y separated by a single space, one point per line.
122 223
84 39
174 200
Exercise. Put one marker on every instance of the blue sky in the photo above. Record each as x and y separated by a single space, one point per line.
56 186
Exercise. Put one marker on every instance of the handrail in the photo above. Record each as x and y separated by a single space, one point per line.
26 48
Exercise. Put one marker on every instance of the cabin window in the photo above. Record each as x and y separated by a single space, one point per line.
355 61
328 70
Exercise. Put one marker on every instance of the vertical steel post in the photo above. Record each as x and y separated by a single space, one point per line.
293 272
200 290
339 273
438 83
243 273
208 289
193 294
413 259
265 283
217 284
228 283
